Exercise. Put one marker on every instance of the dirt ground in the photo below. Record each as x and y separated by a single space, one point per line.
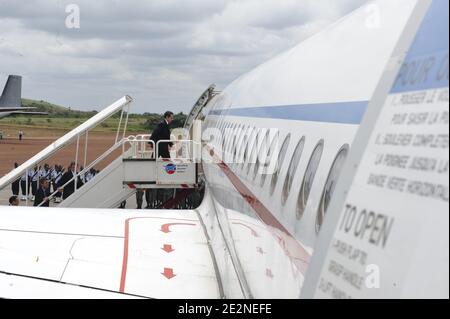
12 150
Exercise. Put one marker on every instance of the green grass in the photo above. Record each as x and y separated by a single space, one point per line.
62 118
64 123
44 106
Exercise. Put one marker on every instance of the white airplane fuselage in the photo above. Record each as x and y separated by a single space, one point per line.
314 95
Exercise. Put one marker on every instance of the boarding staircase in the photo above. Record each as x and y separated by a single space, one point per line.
138 167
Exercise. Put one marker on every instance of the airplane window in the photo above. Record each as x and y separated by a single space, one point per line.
251 149
229 127
230 133
224 139
292 170
217 139
220 126
308 178
279 163
228 130
236 140
221 131
246 149
242 145
263 147
234 137
225 124
330 184
254 147
269 157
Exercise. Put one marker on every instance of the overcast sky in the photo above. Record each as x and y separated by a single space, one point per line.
164 53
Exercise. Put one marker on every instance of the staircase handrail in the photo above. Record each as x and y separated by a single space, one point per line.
65 140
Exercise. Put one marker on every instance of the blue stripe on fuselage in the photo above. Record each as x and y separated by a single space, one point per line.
345 112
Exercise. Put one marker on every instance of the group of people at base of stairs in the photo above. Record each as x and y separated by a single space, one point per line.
42 181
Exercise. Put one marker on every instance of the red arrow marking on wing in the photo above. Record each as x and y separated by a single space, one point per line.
123 277
254 233
166 227
168 273
168 249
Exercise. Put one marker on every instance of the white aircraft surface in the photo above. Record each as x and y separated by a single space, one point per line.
255 235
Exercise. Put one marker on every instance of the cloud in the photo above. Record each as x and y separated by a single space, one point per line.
162 52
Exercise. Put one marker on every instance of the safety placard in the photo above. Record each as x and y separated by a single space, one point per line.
392 237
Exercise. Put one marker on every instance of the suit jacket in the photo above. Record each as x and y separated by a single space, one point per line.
41 194
162 132
16 183
69 188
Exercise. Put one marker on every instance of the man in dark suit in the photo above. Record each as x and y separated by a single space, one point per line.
15 186
69 188
43 193
162 132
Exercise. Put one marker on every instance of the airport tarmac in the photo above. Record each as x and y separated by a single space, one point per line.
12 150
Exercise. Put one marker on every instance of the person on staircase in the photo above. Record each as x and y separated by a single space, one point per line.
59 171
43 193
33 178
69 189
15 186
24 186
162 132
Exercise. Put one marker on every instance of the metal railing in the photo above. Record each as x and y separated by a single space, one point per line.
122 105
135 147
74 179
185 150
141 146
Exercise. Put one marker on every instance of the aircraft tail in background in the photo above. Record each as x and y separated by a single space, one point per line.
11 99
12 93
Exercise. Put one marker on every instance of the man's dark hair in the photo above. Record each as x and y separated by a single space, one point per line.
167 114
42 180
12 199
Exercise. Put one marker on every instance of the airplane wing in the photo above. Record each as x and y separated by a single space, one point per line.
30 113
83 253
15 109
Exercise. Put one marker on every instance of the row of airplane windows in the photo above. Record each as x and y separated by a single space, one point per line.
244 147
